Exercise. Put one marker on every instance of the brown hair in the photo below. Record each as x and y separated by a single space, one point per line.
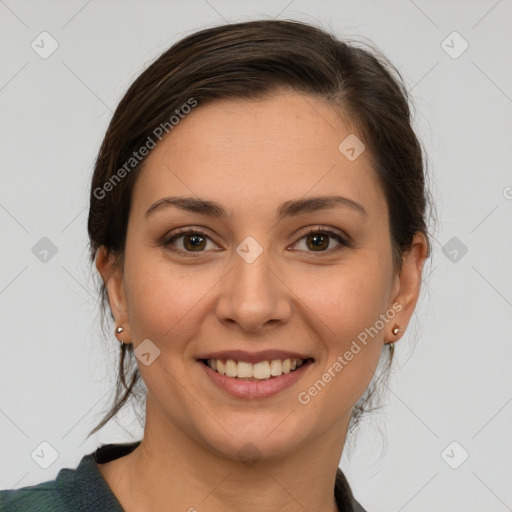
252 60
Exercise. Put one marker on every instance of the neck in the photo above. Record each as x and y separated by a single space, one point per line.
169 467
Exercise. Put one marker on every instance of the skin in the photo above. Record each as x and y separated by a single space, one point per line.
251 156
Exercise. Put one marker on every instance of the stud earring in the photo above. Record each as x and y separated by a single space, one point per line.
396 329
119 330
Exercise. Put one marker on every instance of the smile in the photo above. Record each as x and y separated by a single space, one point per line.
244 375
263 370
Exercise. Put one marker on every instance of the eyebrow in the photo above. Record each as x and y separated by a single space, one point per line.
286 209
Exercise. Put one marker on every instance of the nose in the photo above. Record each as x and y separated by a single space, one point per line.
253 295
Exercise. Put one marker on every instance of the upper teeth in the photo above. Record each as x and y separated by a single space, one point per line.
261 370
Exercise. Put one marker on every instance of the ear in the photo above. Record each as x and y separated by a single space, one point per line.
111 272
407 285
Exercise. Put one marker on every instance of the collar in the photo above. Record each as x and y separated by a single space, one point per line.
343 494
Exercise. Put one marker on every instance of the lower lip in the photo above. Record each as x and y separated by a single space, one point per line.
255 389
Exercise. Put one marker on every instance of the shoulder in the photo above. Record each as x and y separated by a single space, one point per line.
358 507
83 488
344 497
40 497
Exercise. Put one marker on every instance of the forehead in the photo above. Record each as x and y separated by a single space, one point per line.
259 152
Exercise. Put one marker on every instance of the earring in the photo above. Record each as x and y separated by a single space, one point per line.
119 330
396 329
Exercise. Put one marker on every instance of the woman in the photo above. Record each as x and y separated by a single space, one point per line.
257 216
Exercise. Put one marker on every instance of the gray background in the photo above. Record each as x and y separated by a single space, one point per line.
452 381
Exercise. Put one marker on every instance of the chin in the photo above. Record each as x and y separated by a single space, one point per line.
250 440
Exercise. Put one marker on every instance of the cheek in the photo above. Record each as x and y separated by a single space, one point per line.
348 307
345 299
156 297
344 311
164 299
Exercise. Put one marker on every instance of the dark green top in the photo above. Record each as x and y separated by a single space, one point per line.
85 490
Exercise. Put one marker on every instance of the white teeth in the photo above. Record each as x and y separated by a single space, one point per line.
231 368
263 370
276 368
244 369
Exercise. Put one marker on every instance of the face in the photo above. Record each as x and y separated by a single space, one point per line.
269 273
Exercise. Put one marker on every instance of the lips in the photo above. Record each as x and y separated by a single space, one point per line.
254 375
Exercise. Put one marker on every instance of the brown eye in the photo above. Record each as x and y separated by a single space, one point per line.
319 240
194 242
189 242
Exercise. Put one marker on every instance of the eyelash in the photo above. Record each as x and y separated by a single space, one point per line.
194 254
